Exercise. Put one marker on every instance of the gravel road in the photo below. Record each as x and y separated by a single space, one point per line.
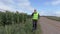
49 26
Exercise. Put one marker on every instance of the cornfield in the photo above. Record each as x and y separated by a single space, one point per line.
15 23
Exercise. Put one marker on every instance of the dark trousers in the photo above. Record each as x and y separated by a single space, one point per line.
34 24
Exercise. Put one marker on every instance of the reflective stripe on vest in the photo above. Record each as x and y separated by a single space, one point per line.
35 16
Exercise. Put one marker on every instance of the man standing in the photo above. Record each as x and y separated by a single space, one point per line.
35 17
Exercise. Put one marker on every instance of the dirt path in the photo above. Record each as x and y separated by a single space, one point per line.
49 26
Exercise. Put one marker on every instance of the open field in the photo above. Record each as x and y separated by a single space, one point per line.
54 18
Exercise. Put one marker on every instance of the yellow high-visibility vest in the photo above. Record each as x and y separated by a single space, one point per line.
35 16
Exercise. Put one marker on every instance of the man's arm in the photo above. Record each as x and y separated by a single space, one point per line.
32 14
38 16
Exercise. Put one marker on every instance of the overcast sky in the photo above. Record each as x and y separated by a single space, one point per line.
44 7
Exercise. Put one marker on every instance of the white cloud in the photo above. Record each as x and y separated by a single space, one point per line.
25 5
5 7
57 13
53 2
14 5
57 2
